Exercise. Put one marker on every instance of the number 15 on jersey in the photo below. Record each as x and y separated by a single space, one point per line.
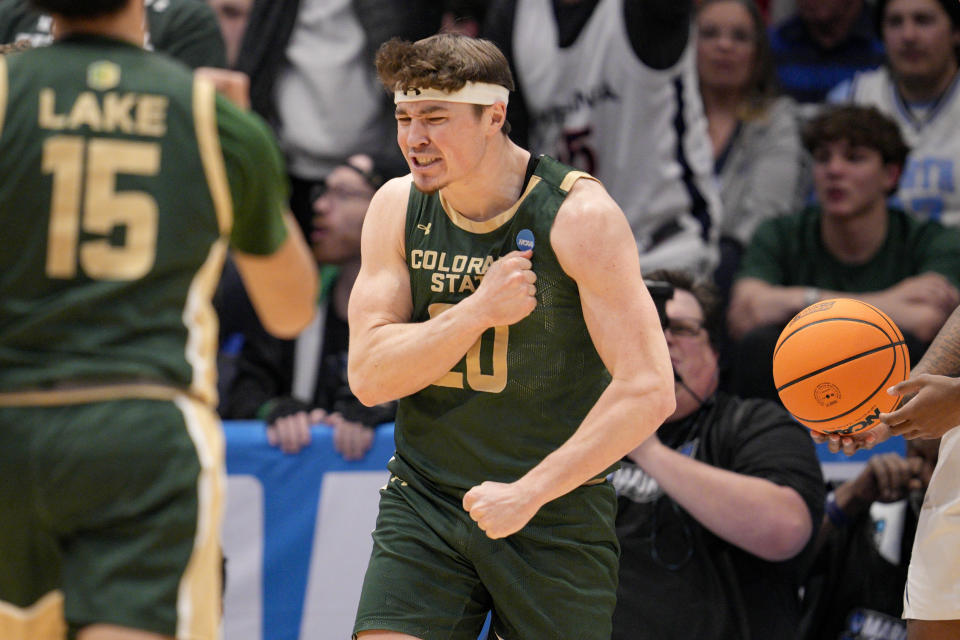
85 197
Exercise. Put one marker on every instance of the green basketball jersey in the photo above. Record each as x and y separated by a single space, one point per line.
521 390
122 177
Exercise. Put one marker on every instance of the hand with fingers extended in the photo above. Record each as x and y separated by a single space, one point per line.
351 439
849 445
499 509
933 409
507 293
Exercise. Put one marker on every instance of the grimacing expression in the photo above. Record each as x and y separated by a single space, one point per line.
442 141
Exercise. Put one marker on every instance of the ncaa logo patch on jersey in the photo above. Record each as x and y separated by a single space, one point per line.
525 240
103 75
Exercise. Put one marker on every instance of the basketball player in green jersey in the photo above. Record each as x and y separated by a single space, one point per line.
500 299
123 179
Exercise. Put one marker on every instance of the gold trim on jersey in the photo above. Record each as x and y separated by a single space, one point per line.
573 176
486 226
43 620
208 140
81 394
200 588
200 318
4 91
199 315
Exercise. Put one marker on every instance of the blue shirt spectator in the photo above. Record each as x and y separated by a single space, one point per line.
812 53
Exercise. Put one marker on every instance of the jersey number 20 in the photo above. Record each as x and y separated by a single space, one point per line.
494 382
85 198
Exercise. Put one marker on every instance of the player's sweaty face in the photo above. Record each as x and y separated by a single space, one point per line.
442 141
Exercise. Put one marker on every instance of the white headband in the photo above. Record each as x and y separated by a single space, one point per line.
484 93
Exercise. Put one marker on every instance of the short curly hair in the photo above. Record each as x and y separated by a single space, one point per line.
80 8
860 126
444 61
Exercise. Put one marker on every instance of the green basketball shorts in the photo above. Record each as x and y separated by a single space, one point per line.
111 514
434 574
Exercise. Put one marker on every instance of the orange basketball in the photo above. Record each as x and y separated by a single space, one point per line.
834 362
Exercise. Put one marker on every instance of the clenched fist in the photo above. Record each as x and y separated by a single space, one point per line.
507 294
499 509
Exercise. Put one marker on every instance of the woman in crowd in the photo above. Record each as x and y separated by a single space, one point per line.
758 157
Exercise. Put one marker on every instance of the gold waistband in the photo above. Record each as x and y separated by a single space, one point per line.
82 394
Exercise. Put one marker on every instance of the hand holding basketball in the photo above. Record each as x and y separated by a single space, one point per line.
834 362
931 412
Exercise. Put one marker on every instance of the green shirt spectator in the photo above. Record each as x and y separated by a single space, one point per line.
788 251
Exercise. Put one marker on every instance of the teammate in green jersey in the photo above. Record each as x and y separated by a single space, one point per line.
500 299
124 177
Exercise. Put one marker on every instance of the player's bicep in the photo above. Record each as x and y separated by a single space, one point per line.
595 247
381 294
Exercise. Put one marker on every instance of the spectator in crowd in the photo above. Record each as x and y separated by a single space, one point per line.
854 588
717 508
757 153
824 43
232 16
312 77
918 89
850 245
610 86
293 384
183 29
463 16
